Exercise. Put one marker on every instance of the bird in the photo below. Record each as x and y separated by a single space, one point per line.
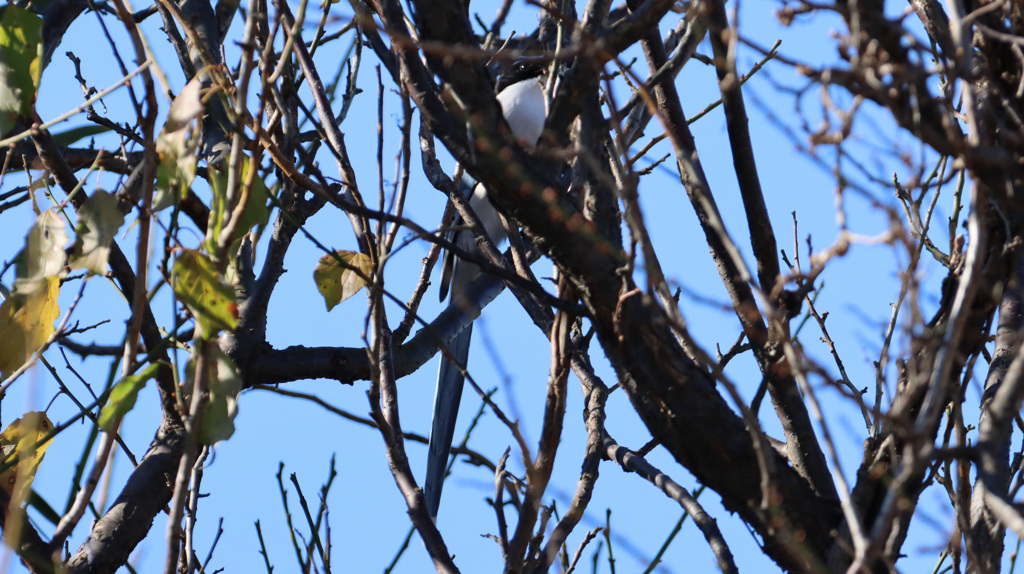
520 92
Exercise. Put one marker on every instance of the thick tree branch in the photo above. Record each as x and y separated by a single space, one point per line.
762 236
114 536
1000 403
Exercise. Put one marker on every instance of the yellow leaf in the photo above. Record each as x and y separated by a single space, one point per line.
26 322
340 275
19 440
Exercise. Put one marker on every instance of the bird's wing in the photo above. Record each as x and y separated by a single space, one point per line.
448 262
466 186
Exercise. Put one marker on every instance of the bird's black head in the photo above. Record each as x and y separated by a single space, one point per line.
524 69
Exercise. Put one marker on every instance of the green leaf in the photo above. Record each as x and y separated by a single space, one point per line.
218 421
224 381
255 211
21 58
338 277
72 135
43 508
177 147
98 221
122 396
197 284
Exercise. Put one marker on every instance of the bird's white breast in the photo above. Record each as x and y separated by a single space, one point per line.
525 108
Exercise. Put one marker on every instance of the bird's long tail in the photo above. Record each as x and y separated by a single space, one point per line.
446 409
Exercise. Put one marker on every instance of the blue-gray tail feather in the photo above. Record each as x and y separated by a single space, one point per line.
446 408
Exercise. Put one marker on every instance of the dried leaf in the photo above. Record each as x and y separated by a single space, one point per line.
43 255
340 276
177 145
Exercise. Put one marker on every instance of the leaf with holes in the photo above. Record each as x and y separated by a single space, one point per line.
198 285
20 444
